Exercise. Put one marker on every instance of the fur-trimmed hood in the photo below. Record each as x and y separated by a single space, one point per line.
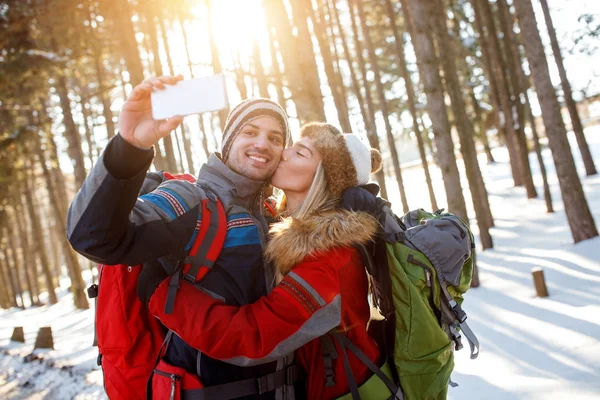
292 240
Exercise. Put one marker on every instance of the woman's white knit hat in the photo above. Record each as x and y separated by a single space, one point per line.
347 160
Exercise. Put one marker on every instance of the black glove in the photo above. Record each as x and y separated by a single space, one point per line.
361 198
153 273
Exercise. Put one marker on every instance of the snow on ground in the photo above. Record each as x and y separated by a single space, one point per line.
531 348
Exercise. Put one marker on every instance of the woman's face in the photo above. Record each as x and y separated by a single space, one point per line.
297 168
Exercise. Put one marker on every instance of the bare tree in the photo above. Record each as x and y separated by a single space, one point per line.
382 104
464 127
366 109
584 149
578 213
410 93
432 85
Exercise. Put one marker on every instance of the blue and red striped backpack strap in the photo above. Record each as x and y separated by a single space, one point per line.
206 247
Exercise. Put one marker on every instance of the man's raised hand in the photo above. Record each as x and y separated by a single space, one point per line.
136 124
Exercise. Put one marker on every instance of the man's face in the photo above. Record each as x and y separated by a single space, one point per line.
256 151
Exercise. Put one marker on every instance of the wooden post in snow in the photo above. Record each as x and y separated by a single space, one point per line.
539 282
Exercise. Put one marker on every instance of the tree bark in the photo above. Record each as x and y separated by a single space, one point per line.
103 91
39 239
21 268
465 130
13 274
259 71
382 104
584 149
482 135
8 286
85 102
216 62
334 81
495 96
514 133
432 85
327 17
26 254
152 33
578 213
298 59
125 32
60 211
71 131
185 132
538 153
410 93
276 74
365 109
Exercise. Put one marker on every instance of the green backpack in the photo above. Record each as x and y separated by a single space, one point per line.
420 266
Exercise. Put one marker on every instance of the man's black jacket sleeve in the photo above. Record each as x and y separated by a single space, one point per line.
109 224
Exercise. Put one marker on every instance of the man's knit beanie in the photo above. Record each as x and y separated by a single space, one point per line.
347 160
247 111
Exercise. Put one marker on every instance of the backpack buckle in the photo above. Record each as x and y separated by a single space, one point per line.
291 375
458 311
92 291
456 337
329 378
266 383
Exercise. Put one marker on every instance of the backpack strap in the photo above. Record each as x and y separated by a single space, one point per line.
460 318
247 387
209 241
161 352
329 354
346 343
205 249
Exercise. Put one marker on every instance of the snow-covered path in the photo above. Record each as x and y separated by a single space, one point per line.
531 348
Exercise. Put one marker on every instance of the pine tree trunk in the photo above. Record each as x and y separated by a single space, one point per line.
365 109
216 62
120 13
38 237
298 59
87 128
576 207
167 142
13 275
515 69
186 133
103 91
53 244
495 96
538 153
498 66
259 71
8 285
240 75
183 129
71 132
22 266
60 212
383 105
482 131
465 130
335 84
432 85
276 74
584 149
410 92
343 91
25 260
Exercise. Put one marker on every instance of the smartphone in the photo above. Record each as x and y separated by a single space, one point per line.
193 96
